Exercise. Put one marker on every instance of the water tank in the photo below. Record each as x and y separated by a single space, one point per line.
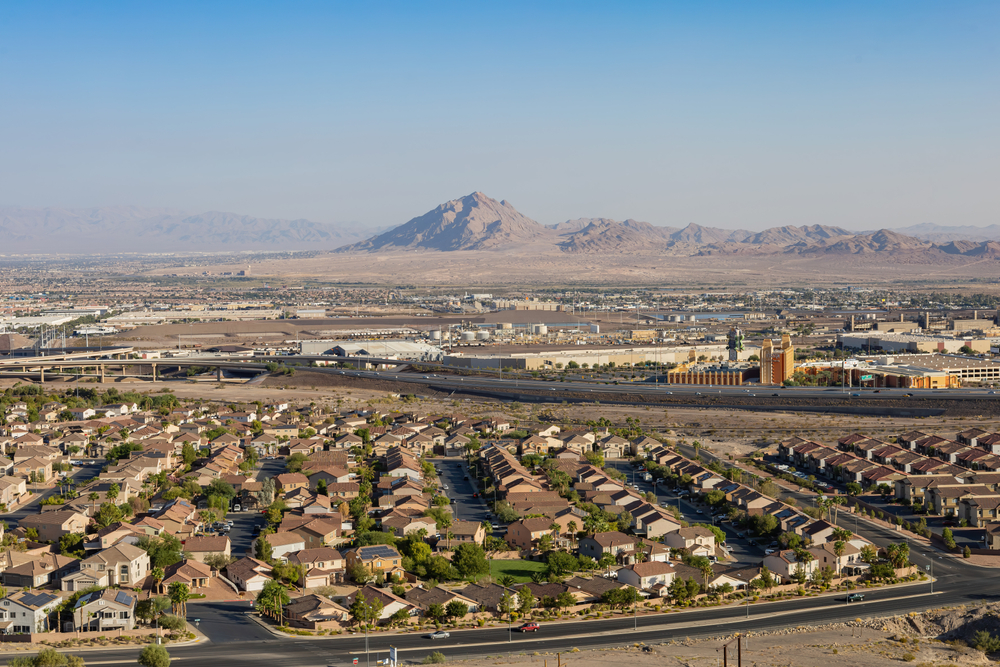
434 335
468 336
539 329
595 328
691 318
505 325
482 335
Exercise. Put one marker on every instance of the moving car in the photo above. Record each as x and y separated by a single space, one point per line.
440 634
529 627
855 597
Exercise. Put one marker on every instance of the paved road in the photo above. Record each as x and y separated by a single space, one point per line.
226 622
81 474
453 474
274 652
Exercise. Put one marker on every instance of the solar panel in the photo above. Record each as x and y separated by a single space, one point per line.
124 599
37 599
379 551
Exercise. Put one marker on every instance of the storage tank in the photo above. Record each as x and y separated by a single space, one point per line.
434 335
505 325
595 328
482 335
692 318
468 336
539 329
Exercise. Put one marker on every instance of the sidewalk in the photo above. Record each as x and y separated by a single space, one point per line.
20 649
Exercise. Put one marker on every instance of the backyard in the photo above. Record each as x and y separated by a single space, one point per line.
519 569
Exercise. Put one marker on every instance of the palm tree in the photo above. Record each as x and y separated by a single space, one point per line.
157 574
839 548
506 581
179 594
571 528
94 495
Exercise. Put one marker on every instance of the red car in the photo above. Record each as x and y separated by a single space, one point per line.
529 627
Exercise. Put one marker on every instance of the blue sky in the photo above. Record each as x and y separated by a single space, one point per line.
732 114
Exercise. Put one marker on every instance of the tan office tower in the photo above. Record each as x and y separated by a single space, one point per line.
776 364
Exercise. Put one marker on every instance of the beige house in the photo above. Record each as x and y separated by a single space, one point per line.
202 547
53 525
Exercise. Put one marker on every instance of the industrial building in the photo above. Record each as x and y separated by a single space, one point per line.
590 357
385 349
903 342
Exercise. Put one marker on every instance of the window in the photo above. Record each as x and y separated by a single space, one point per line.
123 614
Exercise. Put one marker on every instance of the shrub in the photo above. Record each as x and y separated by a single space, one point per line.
966 552
986 642
435 658
909 657
171 622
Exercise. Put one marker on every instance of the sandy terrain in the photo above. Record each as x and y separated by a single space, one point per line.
873 643
485 268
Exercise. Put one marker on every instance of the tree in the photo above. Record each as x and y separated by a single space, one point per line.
113 492
93 496
321 488
838 549
456 609
507 581
263 549
163 551
108 514
364 612
561 563
507 605
470 559
949 538
151 608
853 489
272 599
525 599
157 574
218 561
154 655
435 611
179 595
868 554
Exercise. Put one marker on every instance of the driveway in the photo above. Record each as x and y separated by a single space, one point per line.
226 622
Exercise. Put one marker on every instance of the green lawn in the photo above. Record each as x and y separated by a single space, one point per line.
519 569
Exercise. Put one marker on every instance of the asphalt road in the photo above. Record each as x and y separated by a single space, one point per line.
254 649
81 475
452 475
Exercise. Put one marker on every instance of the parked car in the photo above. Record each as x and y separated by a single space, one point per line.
768 552
440 634
529 627
237 507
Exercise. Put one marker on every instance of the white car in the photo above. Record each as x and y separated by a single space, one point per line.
768 552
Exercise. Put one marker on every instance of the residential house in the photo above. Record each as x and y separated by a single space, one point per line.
121 565
322 567
190 572
249 574
645 576
28 611
390 603
34 469
283 544
315 612
696 540
611 542
375 557
105 610
423 598
201 548
53 525
786 565
525 533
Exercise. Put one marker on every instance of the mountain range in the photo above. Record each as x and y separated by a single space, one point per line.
154 230
477 222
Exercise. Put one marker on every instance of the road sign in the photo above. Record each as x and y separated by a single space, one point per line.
866 378
355 661
393 657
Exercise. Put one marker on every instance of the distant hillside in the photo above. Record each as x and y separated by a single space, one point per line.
882 241
474 222
134 229
944 233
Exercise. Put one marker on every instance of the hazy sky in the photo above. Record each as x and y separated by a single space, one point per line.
734 114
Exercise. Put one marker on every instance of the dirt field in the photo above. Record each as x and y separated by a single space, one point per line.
724 432
493 268
873 643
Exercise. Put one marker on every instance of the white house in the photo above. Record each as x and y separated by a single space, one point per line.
644 576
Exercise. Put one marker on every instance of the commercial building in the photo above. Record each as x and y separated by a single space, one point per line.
718 375
776 364
900 342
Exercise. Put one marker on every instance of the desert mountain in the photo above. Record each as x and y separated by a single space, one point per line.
474 222
882 241
603 235
789 234
134 229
